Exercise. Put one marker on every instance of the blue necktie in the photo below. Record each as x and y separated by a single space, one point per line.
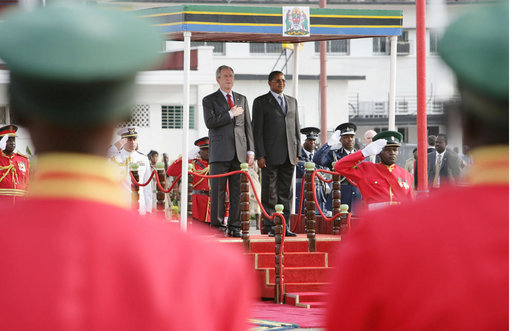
282 104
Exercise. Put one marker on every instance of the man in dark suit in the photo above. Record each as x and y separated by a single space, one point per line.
227 117
277 146
443 164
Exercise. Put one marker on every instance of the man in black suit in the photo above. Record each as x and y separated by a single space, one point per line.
443 164
277 146
227 117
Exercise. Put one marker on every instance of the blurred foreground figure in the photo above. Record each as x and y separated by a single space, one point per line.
442 263
72 258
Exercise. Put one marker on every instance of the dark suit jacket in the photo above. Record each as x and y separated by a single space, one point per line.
277 137
450 167
227 137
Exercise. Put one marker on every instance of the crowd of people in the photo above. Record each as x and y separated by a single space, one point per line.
75 257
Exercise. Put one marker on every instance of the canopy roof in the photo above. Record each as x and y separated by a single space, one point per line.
264 24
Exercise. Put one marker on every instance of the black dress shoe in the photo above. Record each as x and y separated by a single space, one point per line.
290 234
235 233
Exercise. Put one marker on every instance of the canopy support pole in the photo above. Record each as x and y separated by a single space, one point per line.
421 97
392 85
185 132
296 66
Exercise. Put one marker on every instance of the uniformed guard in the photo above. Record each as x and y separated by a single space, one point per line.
381 184
200 161
73 254
14 167
124 153
308 150
341 144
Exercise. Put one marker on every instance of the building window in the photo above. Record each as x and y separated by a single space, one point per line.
265 48
140 117
432 130
219 47
4 114
172 117
404 37
433 40
341 46
382 45
404 132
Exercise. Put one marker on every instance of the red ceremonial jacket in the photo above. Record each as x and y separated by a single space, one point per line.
440 263
14 176
199 166
377 182
201 198
73 258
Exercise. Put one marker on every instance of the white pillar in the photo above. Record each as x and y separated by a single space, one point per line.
392 85
185 132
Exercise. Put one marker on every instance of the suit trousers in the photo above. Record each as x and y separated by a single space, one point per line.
218 191
277 188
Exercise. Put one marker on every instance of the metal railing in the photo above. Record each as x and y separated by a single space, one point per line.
404 105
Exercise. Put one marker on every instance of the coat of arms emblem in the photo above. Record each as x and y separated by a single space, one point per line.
296 21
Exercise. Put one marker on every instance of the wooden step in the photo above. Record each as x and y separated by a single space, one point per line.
297 274
296 259
306 299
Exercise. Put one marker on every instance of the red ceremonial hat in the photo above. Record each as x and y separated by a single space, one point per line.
9 130
202 142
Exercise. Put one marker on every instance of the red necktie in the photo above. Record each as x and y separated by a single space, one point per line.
230 102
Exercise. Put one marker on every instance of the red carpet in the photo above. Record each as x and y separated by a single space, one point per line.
305 318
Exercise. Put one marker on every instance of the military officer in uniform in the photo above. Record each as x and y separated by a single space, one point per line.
124 153
381 184
73 255
201 200
308 150
14 167
341 144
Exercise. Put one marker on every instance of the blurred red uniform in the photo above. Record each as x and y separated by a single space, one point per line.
438 264
201 199
377 182
77 260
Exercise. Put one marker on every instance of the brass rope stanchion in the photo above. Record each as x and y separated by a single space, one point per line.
245 207
279 256
190 192
310 216
344 218
161 178
134 169
336 200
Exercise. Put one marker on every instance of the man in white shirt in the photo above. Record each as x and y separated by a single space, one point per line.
123 153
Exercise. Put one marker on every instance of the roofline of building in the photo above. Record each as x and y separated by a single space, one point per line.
300 77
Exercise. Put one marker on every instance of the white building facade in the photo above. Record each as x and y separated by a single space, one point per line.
358 83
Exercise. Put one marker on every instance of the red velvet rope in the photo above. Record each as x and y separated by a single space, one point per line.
134 181
323 179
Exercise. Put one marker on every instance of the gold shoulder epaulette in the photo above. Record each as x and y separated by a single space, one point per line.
25 156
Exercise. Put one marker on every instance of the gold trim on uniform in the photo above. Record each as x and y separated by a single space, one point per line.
491 166
77 176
